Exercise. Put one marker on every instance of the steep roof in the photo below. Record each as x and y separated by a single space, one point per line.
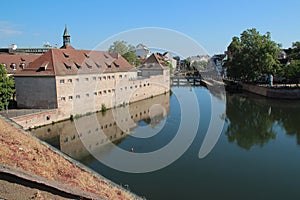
69 61
16 62
155 61
66 32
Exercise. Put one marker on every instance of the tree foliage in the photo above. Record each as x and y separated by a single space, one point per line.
252 55
7 88
126 50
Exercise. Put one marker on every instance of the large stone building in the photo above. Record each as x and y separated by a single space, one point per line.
81 81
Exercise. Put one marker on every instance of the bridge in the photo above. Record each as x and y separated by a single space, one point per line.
196 78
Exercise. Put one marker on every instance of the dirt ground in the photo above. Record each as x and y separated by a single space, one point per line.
21 151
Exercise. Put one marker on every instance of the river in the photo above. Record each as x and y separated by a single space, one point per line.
256 155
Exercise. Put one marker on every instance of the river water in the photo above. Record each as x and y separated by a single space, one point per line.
256 155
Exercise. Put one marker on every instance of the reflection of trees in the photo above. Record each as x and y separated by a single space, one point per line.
250 123
288 118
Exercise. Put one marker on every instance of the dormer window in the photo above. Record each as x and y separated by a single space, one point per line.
22 65
88 66
78 66
13 66
68 67
106 56
66 55
98 65
116 64
87 55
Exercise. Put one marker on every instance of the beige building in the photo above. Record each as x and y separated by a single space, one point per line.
81 81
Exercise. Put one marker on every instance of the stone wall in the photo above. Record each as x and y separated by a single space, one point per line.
278 93
36 92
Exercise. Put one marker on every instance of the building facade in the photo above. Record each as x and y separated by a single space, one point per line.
82 81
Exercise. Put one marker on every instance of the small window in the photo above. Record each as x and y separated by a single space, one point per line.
120 76
48 117
69 80
108 77
87 79
125 88
99 92
104 91
70 97
109 91
87 94
104 77
99 78
62 81
125 76
113 77
136 86
63 98
94 78
77 96
95 93
77 79
130 87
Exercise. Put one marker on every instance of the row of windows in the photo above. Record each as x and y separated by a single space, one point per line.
93 78
104 92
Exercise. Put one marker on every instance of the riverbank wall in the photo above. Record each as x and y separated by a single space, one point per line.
271 92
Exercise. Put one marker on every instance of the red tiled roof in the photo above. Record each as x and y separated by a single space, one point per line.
154 61
20 61
69 61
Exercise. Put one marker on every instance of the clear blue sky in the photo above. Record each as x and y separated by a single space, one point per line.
211 23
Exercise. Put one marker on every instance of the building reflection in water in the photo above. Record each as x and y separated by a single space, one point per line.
97 130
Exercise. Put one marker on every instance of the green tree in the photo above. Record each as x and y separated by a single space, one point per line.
7 88
295 51
126 50
252 55
291 71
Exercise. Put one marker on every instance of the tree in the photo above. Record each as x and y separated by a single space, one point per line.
7 88
291 71
252 55
295 51
127 51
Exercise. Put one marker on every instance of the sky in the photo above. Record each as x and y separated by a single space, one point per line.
211 24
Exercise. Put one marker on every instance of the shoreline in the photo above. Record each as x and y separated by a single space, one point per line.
23 152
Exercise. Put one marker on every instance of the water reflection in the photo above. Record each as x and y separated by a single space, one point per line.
252 119
98 129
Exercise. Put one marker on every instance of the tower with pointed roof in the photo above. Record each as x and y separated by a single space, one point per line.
66 38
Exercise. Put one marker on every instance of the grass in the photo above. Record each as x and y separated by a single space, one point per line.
20 150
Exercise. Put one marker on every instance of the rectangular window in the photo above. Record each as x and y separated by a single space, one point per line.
94 78
63 98
113 77
70 97
87 94
99 92
104 77
77 96
62 81
99 78
108 77
77 79
69 80
95 93
104 91
87 79
120 76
